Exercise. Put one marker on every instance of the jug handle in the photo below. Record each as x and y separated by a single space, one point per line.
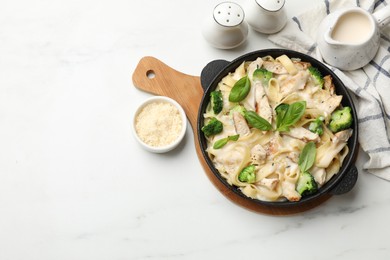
382 16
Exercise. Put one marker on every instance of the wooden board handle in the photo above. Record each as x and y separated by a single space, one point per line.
153 76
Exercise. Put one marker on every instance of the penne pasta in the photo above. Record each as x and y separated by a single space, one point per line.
287 64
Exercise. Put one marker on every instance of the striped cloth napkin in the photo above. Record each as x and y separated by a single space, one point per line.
370 85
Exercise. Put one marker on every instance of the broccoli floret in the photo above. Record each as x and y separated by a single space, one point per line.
316 74
262 75
316 126
306 184
216 101
238 108
213 127
340 119
248 174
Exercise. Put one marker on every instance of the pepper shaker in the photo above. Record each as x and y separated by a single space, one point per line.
226 28
265 16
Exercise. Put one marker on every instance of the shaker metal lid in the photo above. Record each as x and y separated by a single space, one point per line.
228 14
271 5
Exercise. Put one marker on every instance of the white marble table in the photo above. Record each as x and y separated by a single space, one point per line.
74 184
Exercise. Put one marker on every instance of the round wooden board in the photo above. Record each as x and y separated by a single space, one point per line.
153 76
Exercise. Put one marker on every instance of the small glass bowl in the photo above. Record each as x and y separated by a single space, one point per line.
176 142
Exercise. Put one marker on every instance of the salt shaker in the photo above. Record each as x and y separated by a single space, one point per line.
226 28
265 16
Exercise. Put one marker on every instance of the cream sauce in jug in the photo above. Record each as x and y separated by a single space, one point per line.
352 28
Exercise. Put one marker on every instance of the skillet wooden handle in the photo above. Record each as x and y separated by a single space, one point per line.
153 76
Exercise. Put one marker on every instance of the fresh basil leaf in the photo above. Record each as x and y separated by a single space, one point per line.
294 113
240 90
280 110
287 115
233 137
307 157
257 121
222 142
283 128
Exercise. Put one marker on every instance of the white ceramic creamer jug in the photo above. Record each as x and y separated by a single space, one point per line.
349 38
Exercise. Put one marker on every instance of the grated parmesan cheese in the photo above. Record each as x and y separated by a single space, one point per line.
158 124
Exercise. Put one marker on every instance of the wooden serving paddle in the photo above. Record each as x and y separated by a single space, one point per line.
153 76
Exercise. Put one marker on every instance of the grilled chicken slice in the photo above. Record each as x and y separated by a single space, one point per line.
328 84
274 67
271 183
240 124
329 104
288 191
258 154
263 107
301 65
290 84
342 136
273 145
302 134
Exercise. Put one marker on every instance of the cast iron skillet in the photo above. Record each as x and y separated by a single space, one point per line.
341 183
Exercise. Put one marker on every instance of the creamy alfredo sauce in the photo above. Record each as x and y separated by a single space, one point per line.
352 28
